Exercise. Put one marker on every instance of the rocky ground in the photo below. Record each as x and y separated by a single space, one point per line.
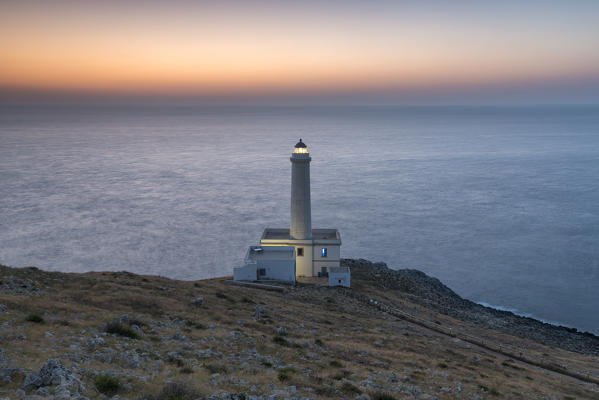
416 286
119 335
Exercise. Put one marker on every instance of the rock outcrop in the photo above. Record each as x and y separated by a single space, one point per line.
420 288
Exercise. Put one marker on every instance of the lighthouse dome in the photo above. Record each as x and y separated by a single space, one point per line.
300 144
300 148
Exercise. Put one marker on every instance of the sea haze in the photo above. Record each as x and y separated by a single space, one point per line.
499 203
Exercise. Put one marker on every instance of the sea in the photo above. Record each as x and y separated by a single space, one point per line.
501 203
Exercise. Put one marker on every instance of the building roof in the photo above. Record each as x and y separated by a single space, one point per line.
339 270
317 234
300 144
256 253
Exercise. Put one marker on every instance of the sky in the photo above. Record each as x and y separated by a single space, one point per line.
305 51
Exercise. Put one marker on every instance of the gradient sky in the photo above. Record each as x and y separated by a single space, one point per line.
366 51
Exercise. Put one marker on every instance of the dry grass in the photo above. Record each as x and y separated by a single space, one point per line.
332 347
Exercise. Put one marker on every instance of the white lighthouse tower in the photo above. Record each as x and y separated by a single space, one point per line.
301 213
297 251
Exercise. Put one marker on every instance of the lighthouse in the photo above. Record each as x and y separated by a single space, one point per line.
301 213
299 251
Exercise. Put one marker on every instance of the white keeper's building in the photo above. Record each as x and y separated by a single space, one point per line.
297 251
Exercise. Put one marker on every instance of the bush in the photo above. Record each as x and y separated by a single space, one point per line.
118 328
177 391
221 295
325 391
335 364
35 318
381 396
186 370
341 375
283 376
280 340
215 368
318 342
107 384
172 359
349 388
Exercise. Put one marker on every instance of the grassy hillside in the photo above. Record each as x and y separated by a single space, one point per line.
151 337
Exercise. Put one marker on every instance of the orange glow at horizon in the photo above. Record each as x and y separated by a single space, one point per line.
210 50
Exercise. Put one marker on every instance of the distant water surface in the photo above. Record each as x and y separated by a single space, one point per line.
499 203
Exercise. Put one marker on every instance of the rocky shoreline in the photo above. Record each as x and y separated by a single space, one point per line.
430 292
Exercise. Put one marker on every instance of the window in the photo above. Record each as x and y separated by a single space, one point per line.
261 271
323 252
300 251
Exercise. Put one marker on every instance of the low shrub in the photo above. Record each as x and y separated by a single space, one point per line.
215 368
318 342
283 376
35 318
186 370
118 328
341 375
335 364
350 389
177 391
280 340
381 396
172 359
325 391
221 295
107 384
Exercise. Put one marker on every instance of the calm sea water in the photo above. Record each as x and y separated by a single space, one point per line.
501 204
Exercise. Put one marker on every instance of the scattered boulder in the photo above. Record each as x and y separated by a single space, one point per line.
54 373
258 312
198 301
281 331
93 343
137 330
32 380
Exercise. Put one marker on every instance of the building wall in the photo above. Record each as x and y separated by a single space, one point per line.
312 261
281 270
339 279
245 273
333 252
303 264
331 260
